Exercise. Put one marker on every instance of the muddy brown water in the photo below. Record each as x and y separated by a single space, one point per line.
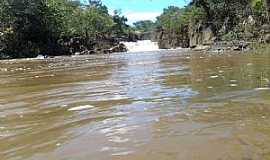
166 105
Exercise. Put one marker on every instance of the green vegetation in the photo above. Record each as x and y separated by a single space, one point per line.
145 26
176 19
57 27
32 27
226 19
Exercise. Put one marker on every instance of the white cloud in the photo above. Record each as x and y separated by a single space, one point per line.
137 16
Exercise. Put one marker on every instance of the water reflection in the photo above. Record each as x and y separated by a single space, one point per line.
154 105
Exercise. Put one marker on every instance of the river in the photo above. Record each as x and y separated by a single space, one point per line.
156 105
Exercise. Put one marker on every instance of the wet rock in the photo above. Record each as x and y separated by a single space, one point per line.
168 40
251 20
265 28
202 48
267 38
201 35
40 56
164 41
119 48
4 56
240 45
208 36
77 53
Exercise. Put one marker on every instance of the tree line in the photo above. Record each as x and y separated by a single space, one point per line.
32 27
57 27
227 19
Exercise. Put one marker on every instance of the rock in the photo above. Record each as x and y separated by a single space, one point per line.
265 28
78 53
98 51
85 52
163 40
119 48
200 34
240 45
106 51
208 37
249 35
102 48
195 39
201 48
267 38
4 56
146 35
168 40
251 20
41 57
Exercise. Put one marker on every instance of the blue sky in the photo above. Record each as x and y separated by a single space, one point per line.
136 10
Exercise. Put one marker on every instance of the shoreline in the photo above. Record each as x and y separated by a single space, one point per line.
206 49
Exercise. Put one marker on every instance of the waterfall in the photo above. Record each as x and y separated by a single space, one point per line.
140 46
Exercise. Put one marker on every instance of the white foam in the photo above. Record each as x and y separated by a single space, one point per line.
117 139
79 108
215 76
40 57
122 153
262 89
139 46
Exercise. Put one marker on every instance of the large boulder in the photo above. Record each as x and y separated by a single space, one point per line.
200 35
195 39
265 33
164 40
168 40
265 28
119 48
240 45
208 36
267 38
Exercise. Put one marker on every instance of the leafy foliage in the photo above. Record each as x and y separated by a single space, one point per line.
32 27
120 27
228 19
176 19
145 25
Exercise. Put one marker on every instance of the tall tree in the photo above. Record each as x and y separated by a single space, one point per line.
145 25
267 4
120 27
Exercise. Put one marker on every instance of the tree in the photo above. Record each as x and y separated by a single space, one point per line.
219 12
98 5
267 4
26 27
119 27
32 27
90 21
177 19
145 26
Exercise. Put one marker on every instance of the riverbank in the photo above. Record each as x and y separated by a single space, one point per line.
77 46
148 46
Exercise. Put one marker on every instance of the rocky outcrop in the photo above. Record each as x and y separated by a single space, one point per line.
118 48
164 40
267 38
196 36
82 46
168 40
265 32
200 35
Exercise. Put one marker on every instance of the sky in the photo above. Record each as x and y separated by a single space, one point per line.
136 10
